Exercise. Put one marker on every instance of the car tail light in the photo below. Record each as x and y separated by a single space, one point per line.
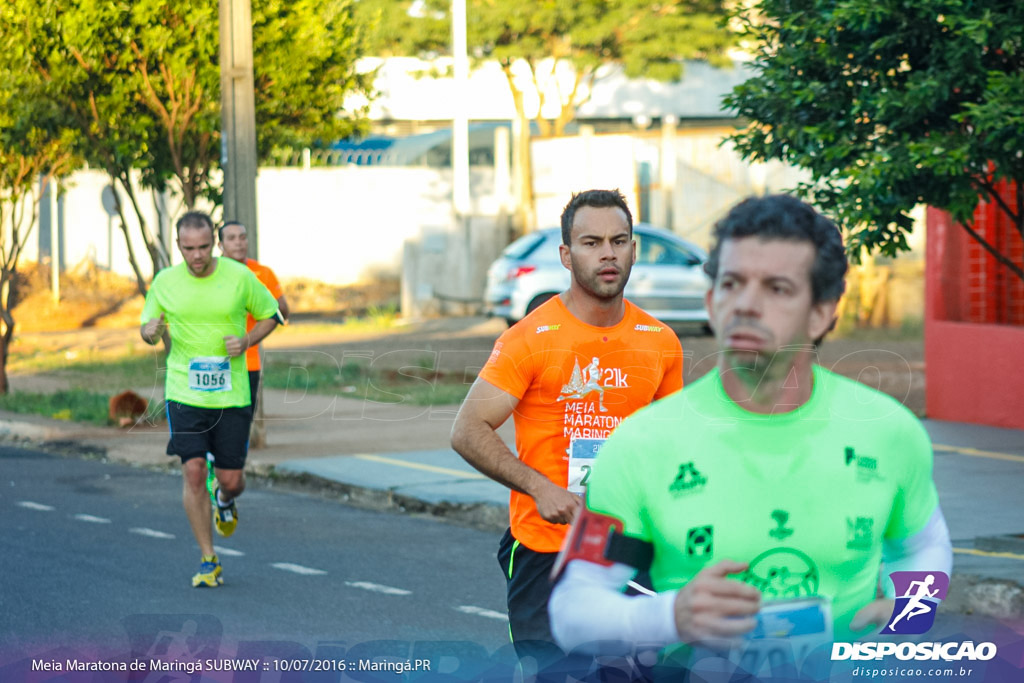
520 271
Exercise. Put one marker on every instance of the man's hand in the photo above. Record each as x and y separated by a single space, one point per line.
713 608
236 346
555 504
153 330
875 614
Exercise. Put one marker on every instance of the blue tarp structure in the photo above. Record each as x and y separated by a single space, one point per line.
426 149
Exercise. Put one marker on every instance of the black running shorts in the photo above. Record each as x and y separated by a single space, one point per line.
198 431
527 577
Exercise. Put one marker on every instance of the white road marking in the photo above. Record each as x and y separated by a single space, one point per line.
481 612
90 518
151 533
298 569
35 506
377 588
228 552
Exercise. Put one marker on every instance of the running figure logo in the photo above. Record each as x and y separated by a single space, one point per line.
918 595
583 382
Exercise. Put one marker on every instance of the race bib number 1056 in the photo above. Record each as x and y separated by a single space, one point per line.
209 373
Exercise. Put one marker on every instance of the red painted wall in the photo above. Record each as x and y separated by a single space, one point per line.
974 321
974 373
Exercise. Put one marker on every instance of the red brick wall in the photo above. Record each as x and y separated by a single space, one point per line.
992 294
974 320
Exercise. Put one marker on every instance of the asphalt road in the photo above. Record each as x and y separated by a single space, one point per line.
96 560
97 557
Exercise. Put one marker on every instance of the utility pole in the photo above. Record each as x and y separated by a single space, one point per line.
238 139
461 197
238 117
460 120
51 198
668 171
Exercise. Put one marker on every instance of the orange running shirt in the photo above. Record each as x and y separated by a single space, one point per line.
574 380
269 280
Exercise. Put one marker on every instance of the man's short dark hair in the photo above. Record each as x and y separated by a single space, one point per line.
600 199
220 230
781 217
194 219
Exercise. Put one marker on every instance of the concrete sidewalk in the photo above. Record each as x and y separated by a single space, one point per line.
397 456
978 471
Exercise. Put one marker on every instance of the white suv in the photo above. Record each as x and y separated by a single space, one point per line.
667 281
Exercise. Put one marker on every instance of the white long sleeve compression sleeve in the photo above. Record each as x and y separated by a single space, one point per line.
587 607
930 549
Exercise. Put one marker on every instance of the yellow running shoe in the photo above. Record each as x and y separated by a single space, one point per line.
225 518
209 573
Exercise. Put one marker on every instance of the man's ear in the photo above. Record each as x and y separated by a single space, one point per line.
821 319
563 255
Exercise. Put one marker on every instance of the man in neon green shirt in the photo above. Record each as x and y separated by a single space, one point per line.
202 304
770 478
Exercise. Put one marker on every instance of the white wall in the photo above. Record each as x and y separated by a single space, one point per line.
337 225
342 224
411 89
562 166
89 234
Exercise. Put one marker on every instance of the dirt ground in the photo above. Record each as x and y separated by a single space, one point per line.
99 312
91 297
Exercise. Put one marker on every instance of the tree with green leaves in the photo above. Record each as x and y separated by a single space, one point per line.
890 105
32 160
535 41
140 81
80 82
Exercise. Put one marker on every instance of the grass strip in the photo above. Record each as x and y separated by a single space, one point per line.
77 405
410 385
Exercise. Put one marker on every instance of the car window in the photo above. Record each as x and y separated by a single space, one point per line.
522 247
654 250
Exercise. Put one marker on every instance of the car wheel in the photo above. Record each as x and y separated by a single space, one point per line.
510 321
538 301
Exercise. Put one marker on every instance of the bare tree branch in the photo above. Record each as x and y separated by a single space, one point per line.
994 252
995 194
1019 187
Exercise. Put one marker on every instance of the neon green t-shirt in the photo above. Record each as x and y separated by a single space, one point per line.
805 496
200 312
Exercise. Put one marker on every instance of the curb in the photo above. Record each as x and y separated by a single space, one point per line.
483 516
987 597
13 429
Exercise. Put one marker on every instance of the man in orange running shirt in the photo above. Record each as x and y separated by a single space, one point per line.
568 373
234 243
